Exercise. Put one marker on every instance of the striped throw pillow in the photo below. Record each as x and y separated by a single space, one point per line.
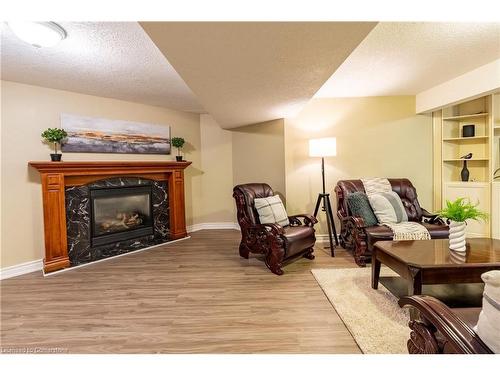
488 324
388 207
271 210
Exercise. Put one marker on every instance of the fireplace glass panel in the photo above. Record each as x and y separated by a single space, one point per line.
120 210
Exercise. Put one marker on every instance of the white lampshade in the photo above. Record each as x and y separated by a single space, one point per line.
38 34
323 147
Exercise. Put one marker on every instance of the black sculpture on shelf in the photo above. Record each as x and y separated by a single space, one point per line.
495 174
465 172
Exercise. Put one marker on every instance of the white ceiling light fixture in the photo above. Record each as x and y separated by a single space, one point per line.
38 34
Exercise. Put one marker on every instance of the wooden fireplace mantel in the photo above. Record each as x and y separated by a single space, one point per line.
56 176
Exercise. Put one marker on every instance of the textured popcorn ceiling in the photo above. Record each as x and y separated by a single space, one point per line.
243 73
250 72
408 58
110 59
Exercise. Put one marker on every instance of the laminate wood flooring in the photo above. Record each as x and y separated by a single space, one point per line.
192 296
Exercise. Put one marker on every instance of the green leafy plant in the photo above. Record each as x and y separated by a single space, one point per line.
178 143
55 136
461 210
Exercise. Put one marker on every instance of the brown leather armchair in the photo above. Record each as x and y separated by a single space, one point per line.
357 237
437 329
275 242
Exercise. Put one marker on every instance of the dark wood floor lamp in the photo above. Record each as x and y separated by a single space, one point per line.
324 147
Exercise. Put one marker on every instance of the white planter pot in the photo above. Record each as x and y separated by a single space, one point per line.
457 235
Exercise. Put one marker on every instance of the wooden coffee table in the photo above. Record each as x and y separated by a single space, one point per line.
432 262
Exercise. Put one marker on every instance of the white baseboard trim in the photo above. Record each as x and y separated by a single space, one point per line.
37 265
21 269
323 238
221 225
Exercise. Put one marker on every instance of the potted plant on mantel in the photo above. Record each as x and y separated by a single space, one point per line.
55 136
457 213
178 143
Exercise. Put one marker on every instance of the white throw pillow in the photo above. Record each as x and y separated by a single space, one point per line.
488 325
271 210
388 207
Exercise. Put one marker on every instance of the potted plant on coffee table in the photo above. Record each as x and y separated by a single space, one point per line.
55 136
178 143
457 213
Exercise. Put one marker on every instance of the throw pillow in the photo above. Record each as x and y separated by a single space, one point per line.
388 207
360 207
271 210
488 325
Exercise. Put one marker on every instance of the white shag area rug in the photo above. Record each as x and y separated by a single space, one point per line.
374 318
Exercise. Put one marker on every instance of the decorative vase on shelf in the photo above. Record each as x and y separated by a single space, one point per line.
468 131
465 172
457 235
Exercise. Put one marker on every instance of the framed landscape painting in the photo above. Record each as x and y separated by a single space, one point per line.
92 134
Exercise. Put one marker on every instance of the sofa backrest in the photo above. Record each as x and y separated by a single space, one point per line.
402 186
245 195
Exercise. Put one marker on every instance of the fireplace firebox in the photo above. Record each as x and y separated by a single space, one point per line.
120 213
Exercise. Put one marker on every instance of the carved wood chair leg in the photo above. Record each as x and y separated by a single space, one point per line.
360 260
309 254
359 251
274 260
244 250
342 242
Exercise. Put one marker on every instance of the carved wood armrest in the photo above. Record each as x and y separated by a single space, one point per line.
432 218
308 220
358 222
436 316
273 228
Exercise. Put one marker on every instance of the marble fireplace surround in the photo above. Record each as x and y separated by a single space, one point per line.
78 220
62 178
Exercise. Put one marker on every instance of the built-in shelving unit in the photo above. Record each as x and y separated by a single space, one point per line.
455 145
465 138
468 160
465 117
495 185
451 146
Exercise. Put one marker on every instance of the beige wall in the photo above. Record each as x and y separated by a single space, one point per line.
258 154
253 153
217 168
376 136
26 112
220 158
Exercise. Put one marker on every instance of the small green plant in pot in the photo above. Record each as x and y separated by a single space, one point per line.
54 136
457 213
178 143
